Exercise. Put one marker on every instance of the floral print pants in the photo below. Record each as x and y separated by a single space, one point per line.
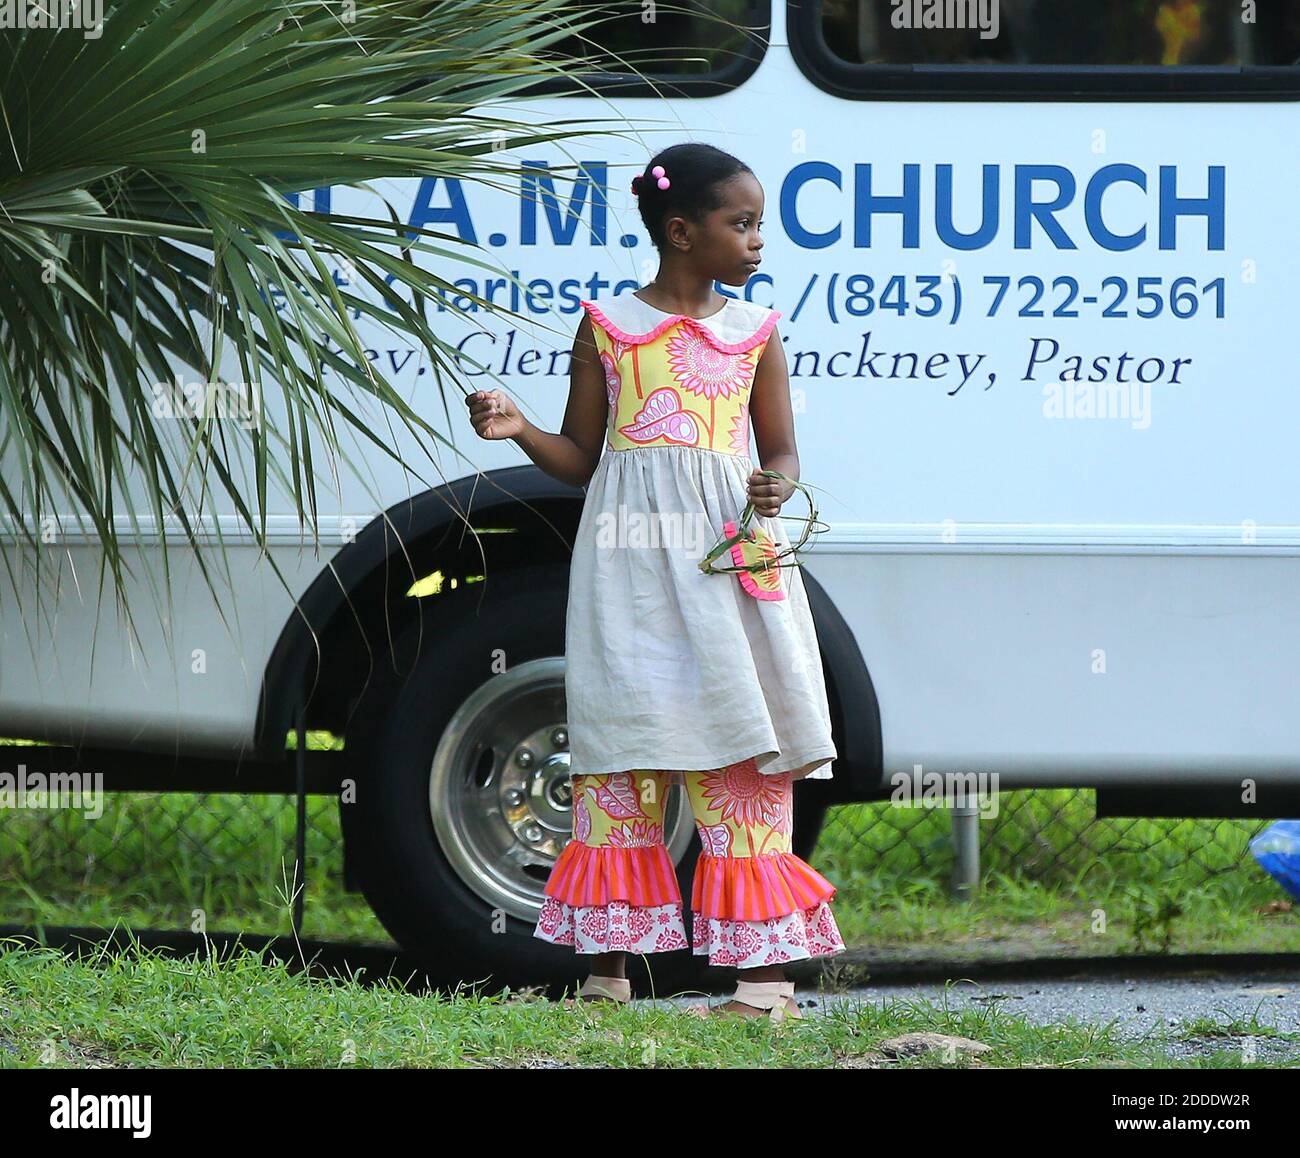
754 903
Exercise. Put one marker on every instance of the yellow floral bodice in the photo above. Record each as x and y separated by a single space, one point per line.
674 380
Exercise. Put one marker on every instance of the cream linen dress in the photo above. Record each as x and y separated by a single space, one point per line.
668 667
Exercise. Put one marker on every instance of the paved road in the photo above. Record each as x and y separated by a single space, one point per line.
1158 1006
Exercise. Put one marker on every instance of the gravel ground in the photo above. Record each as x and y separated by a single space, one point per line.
1159 1007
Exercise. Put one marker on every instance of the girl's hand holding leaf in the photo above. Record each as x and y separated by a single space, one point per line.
766 494
494 415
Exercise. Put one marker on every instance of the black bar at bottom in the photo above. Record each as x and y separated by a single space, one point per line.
1271 802
128 771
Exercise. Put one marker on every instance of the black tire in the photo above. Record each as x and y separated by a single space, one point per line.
418 883
809 816
433 910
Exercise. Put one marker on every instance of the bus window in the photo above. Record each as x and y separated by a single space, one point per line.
690 46
1001 47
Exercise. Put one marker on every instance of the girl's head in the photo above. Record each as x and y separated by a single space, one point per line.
709 215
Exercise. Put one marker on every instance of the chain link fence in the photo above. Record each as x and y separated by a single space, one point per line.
1049 836
169 861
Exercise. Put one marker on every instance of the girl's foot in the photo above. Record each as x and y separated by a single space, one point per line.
771 999
791 1008
611 990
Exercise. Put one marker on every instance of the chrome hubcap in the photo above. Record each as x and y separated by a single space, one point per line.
500 793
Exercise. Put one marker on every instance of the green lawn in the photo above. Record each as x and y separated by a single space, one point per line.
1055 883
141 1008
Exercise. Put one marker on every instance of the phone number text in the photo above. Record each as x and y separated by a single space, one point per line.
860 295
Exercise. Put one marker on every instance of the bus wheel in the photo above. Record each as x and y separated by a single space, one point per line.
461 774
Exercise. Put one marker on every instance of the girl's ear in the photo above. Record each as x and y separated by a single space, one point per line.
677 231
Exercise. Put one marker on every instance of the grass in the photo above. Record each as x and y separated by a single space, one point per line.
1055 882
141 1008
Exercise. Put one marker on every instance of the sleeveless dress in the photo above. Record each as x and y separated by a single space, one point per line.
668 667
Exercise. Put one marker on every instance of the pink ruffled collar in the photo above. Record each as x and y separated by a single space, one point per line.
736 328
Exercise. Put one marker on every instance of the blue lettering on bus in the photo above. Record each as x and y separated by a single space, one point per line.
797 178
1040 195
320 203
1101 181
592 181
457 215
1035 209
943 210
1209 207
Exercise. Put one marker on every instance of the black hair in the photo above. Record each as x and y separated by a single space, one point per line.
694 172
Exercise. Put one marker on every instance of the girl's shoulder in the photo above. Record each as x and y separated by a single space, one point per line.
738 327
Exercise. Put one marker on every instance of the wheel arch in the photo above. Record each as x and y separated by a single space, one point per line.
851 696
329 644
358 603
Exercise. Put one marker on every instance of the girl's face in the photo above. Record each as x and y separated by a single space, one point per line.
726 242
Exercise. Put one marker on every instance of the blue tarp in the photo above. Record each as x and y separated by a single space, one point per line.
1277 849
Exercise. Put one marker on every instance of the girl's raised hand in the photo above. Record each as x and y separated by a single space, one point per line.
767 494
494 415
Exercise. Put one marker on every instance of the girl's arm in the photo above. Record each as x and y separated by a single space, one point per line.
570 456
769 409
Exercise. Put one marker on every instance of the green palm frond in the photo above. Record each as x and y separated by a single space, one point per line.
146 227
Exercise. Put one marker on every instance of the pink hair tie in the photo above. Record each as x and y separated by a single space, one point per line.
658 173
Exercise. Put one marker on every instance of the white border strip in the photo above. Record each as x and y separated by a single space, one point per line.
841 538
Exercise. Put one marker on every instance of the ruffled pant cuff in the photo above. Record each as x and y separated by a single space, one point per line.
796 936
757 888
613 899
762 910
618 927
747 911
642 875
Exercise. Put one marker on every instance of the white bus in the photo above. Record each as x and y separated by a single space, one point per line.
1035 263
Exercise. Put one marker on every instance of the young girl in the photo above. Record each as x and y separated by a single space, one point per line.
673 675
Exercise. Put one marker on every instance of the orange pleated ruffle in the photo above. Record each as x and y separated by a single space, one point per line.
757 888
584 876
